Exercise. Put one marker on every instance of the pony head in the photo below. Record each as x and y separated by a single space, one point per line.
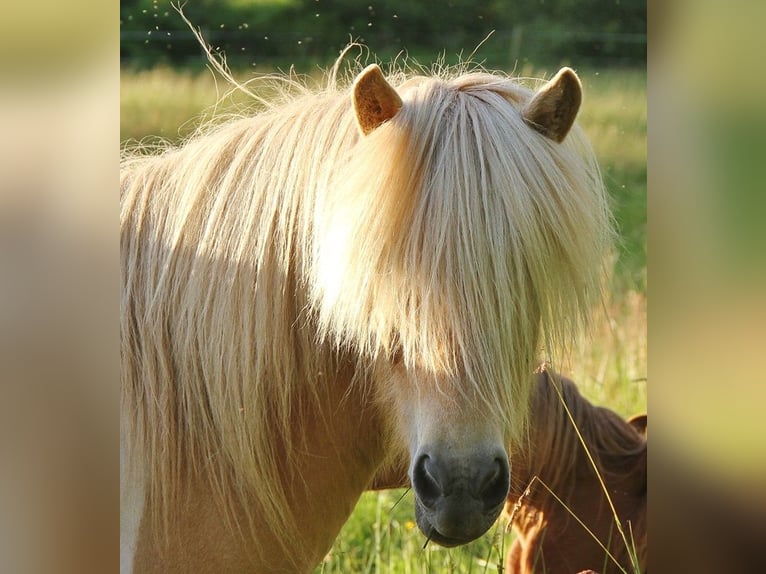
465 231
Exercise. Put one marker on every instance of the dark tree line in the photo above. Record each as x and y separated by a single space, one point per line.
282 32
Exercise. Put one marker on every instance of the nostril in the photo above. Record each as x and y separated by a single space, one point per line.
425 482
494 486
491 477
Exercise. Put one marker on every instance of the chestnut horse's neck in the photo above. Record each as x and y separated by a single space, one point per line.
341 449
555 450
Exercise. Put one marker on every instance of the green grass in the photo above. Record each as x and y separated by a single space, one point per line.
381 536
168 104
614 117
609 364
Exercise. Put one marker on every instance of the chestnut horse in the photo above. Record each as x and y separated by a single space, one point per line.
562 518
356 277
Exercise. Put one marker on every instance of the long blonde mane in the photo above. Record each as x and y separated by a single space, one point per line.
272 249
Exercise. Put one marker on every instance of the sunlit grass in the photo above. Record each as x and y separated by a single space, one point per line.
381 537
171 104
614 117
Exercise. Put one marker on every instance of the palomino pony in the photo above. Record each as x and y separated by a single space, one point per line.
549 539
352 278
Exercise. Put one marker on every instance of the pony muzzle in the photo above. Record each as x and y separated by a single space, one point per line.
458 501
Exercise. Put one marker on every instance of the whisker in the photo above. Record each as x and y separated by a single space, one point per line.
405 493
428 539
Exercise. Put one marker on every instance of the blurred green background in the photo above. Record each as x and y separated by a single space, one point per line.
285 32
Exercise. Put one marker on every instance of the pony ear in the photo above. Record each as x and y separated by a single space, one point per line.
375 101
553 109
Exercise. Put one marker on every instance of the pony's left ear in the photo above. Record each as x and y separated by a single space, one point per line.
553 109
375 100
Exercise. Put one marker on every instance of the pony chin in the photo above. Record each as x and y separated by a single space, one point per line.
468 531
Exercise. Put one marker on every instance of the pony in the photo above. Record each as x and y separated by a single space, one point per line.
556 504
357 276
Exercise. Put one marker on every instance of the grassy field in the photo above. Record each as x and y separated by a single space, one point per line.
609 364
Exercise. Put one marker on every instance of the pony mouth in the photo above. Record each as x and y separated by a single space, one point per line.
432 534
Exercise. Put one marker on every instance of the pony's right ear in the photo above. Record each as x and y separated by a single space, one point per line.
375 101
553 109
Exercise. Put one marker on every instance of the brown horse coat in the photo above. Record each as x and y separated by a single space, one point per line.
549 538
